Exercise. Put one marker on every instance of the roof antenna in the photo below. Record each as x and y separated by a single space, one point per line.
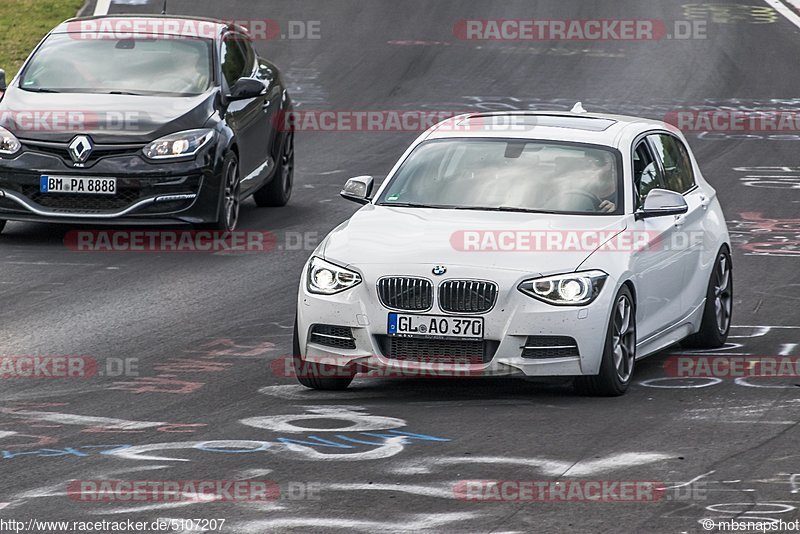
577 108
164 11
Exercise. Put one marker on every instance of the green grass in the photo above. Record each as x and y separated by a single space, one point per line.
23 23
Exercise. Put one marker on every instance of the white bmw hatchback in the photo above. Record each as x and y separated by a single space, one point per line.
536 244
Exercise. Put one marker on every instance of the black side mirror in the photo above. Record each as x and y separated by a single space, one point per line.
358 189
246 88
3 85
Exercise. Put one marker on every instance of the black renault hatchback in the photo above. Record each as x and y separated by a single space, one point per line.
144 120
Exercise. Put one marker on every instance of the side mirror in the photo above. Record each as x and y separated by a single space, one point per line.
3 85
246 88
660 202
358 189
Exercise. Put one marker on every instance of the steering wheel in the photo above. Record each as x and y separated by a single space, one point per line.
580 197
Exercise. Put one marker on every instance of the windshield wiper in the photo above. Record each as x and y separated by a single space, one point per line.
413 205
39 90
512 209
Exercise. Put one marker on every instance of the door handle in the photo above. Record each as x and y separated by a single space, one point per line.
266 104
680 220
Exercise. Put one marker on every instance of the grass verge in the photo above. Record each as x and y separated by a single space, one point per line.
23 23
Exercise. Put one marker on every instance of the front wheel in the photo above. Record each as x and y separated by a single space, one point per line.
619 354
318 376
717 313
278 191
230 201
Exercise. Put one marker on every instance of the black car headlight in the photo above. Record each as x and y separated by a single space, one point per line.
572 289
9 144
325 278
179 145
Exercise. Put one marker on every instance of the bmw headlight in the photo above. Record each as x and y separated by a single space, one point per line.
179 145
9 144
325 278
573 289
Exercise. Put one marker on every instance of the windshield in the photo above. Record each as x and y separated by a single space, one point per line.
508 174
65 63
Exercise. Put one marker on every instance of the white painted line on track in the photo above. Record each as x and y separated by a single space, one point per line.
785 10
102 7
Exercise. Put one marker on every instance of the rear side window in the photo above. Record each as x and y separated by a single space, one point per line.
678 173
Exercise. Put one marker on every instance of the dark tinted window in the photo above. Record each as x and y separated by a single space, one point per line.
234 59
646 174
678 174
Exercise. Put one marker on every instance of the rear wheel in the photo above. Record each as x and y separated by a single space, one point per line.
718 309
619 354
278 191
318 376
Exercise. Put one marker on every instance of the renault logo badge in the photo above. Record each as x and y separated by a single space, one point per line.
80 149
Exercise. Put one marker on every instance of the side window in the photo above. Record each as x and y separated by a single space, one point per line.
678 173
250 56
646 174
234 59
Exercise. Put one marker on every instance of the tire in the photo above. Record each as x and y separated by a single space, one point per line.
317 376
278 191
619 354
230 201
718 310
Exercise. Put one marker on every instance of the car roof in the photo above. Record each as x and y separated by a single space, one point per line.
173 25
579 127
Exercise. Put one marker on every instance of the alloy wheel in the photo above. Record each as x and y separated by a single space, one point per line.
623 338
232 196
723 298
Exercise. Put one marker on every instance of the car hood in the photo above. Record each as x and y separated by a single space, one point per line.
379 235
106 118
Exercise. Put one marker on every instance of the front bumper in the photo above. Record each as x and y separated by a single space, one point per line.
147 193
509 328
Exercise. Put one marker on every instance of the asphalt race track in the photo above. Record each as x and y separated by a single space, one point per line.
198 331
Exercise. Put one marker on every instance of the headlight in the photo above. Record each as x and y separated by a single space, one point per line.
179 145
573 289
326 278
9 144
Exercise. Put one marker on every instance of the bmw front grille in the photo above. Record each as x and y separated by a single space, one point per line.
467 296
406 293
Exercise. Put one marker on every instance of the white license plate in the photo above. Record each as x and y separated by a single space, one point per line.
78 185
435 326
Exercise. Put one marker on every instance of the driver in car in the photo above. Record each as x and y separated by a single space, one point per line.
603 183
